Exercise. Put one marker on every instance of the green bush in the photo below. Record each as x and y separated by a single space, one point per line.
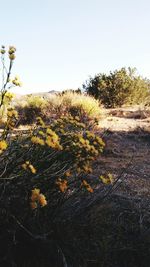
121 87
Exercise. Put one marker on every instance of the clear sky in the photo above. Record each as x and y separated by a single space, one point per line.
60 43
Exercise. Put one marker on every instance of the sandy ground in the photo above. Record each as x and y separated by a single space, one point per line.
127 153
127 119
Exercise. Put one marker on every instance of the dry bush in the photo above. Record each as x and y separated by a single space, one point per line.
82 102
76 104
30 108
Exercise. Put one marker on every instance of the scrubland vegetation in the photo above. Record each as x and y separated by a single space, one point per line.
65 199
55 105
121 87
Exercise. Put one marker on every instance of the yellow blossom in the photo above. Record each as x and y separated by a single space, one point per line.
63 185
35 194
90 189
12 114
37 140
87 186
2 51
24 166
40 121
11 50
42 200
28 166
67 173
12 56
37 198
9 95
32 169
106 179
16 80
41 133
3 146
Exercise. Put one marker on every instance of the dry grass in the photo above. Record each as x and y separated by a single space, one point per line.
74 100
58 104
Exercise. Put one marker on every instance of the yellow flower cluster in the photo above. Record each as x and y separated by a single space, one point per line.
87 186
108 179
46 136
3 146
37 199
40 121
96 141
3 51
12 113
28 166
9 96
16 81
62 184
84 149
67 173
11 52
67 123
12 116
52 139
37 140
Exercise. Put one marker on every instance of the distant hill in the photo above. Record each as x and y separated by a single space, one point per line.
44 94
41 94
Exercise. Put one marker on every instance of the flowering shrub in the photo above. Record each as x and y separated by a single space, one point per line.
52 159
41 170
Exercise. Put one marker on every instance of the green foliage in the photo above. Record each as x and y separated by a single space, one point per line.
121 87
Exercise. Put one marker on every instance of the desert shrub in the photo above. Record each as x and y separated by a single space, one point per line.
39 172
31 108
75 104
147 102
44 170
87 108
121 87
78 91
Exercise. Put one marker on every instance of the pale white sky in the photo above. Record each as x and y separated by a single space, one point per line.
61 43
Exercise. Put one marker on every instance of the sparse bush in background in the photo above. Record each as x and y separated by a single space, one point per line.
69 102
81 102
78 91
31 108
121 87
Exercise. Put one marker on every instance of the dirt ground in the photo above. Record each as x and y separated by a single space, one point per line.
125 119
127 153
